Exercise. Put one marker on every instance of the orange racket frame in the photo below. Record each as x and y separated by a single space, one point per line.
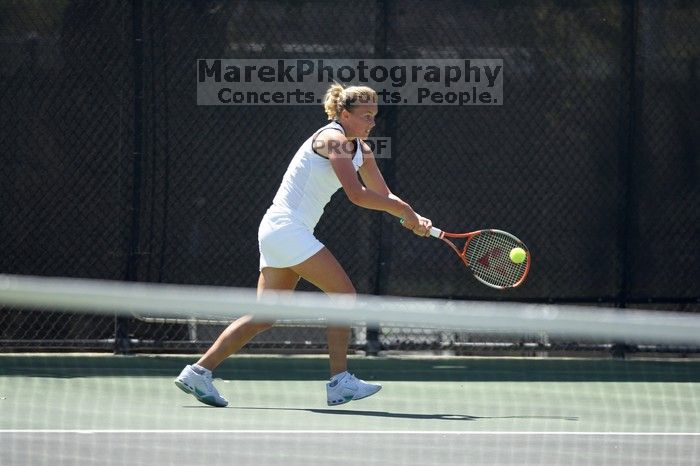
488 254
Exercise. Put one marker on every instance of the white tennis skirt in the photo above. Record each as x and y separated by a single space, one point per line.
284 241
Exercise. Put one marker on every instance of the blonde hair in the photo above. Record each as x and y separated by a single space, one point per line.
339 98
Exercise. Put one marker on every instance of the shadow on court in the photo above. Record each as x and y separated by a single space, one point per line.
386 414
458 369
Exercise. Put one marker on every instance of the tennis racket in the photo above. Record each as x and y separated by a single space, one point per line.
487 254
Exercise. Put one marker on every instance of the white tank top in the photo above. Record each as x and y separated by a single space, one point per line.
310 182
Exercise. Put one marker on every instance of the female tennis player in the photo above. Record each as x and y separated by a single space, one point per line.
326 161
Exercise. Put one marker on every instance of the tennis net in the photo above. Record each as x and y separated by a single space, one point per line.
435 407
183 304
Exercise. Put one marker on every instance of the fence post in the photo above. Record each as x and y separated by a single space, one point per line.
373 345
121 325
628 95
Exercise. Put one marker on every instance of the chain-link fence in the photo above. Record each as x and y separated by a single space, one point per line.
111 170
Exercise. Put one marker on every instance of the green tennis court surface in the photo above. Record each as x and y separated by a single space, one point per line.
125 410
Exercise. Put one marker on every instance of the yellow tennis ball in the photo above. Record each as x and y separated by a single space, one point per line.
517 255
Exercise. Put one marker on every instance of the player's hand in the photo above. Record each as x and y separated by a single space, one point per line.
409 219
416 223
423 227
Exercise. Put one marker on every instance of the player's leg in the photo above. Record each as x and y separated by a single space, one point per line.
242 330
325 272
197 378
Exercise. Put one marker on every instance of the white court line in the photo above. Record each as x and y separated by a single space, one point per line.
332 432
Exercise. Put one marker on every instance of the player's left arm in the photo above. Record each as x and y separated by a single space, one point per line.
370 174
374 181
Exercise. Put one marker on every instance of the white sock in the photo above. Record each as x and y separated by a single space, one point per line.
200 370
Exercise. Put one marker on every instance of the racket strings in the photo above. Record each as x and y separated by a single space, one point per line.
488 256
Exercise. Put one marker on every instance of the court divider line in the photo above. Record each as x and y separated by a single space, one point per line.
333 432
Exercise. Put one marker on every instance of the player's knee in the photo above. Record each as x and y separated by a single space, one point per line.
344 298
347 288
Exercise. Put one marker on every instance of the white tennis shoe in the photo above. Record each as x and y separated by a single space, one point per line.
346 387
200 386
